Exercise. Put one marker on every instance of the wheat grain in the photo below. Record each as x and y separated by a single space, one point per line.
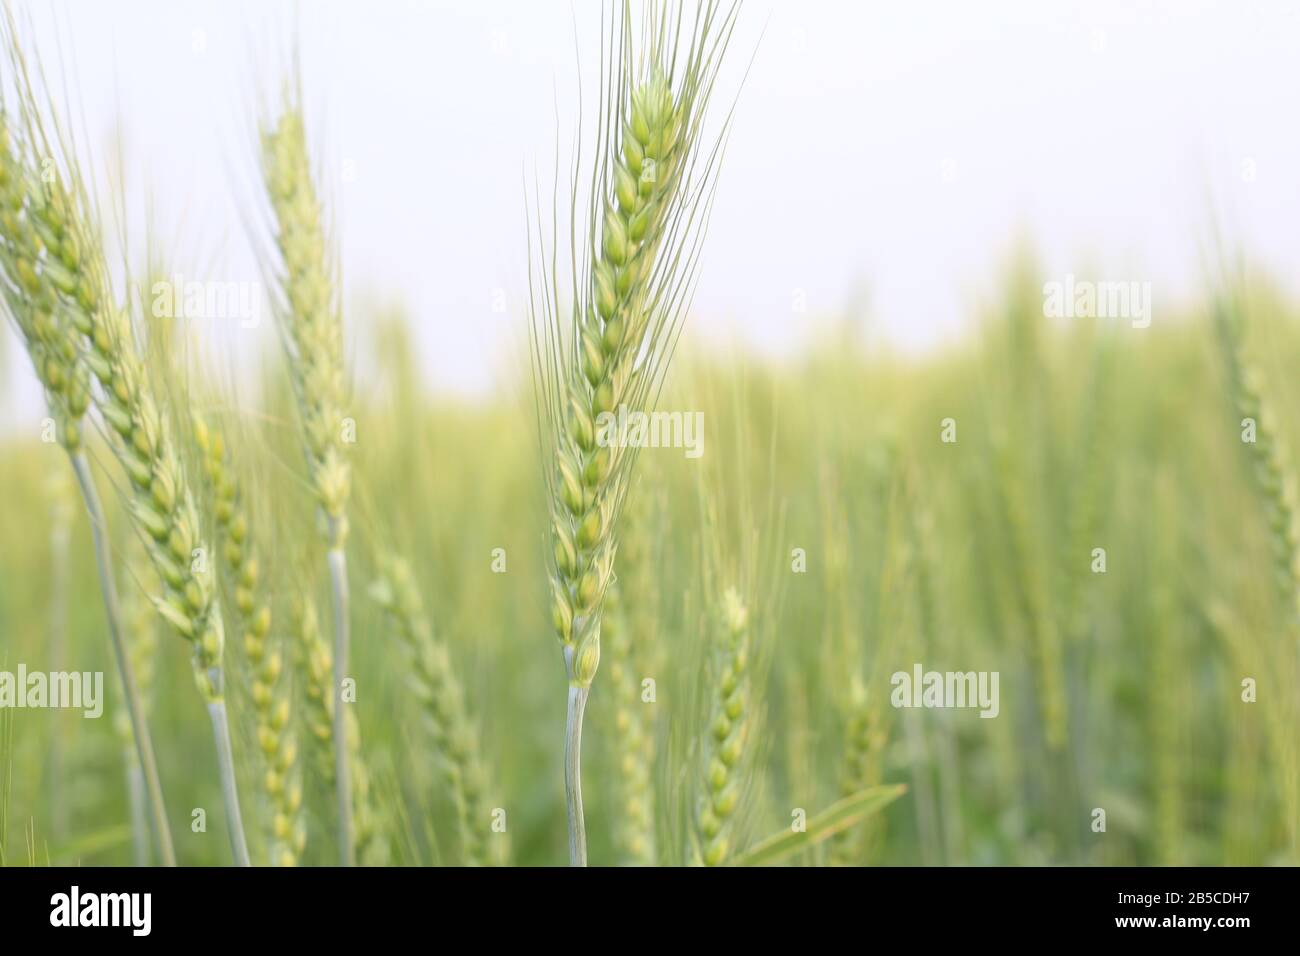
453 732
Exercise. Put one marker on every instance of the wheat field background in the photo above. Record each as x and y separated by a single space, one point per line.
1102 513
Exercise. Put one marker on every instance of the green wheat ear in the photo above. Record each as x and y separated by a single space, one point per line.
612 335
32 299
311 318
311 325
610 346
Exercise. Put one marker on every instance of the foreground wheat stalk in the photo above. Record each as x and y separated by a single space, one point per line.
159 502
313 338
33 269
610 348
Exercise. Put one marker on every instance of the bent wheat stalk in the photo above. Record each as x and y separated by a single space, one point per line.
634 258
159 502
312 334
32 269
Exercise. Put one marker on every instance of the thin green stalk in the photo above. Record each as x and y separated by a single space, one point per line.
342 777
573 773
139 726
72 322
61 512
229 790
135 789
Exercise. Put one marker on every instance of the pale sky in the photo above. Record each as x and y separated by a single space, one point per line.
896 147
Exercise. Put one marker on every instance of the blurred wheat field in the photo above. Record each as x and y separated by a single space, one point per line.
1094 521
970 555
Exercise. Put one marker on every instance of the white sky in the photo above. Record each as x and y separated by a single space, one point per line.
898 146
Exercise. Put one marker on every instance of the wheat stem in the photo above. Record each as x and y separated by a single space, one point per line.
61 512
342 777
229 791
135 709
573 773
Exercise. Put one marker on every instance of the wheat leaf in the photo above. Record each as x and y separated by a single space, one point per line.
838 816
